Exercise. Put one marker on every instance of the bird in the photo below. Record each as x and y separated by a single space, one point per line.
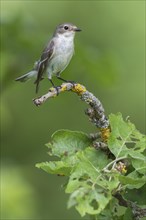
55 57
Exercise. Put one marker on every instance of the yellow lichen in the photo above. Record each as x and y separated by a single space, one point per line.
105 133
51 89
63 88
79 89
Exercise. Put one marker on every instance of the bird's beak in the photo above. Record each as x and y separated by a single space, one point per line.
76 29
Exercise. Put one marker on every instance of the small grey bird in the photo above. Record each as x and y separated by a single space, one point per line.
55 57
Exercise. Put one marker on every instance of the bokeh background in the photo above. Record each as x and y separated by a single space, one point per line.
109 60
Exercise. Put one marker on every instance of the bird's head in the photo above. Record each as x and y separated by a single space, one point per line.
67 29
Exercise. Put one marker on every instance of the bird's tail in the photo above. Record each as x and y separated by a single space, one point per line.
26 76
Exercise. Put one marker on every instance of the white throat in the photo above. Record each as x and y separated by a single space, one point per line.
69 34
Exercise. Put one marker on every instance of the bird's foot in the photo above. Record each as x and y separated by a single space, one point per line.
72 82
57 89
67 81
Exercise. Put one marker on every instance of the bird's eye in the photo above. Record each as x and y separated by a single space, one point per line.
66 27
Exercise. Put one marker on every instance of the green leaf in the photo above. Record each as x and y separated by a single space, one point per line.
55 167
119 127
66 143
121 132
138 161
112 211
117 147
90 190
87 200
133 180
93 176
88 169
128 214
140 144
125 138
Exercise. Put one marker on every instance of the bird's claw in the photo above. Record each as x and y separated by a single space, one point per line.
72 82
57 90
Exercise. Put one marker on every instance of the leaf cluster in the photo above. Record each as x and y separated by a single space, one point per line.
94 177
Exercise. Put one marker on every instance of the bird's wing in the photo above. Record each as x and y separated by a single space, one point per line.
43 62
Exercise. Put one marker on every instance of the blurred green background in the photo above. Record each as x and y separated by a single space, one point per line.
109 61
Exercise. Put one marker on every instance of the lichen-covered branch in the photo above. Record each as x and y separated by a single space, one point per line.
95 112
137 211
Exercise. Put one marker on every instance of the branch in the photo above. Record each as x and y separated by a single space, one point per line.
95 111
137 211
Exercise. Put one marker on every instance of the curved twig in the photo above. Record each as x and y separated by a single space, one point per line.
95 112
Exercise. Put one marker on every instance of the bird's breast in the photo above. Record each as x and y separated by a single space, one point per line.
63 51
64 45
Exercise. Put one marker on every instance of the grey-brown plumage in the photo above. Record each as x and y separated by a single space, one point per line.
56 55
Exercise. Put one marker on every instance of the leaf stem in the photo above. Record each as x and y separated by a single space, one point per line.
113 162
